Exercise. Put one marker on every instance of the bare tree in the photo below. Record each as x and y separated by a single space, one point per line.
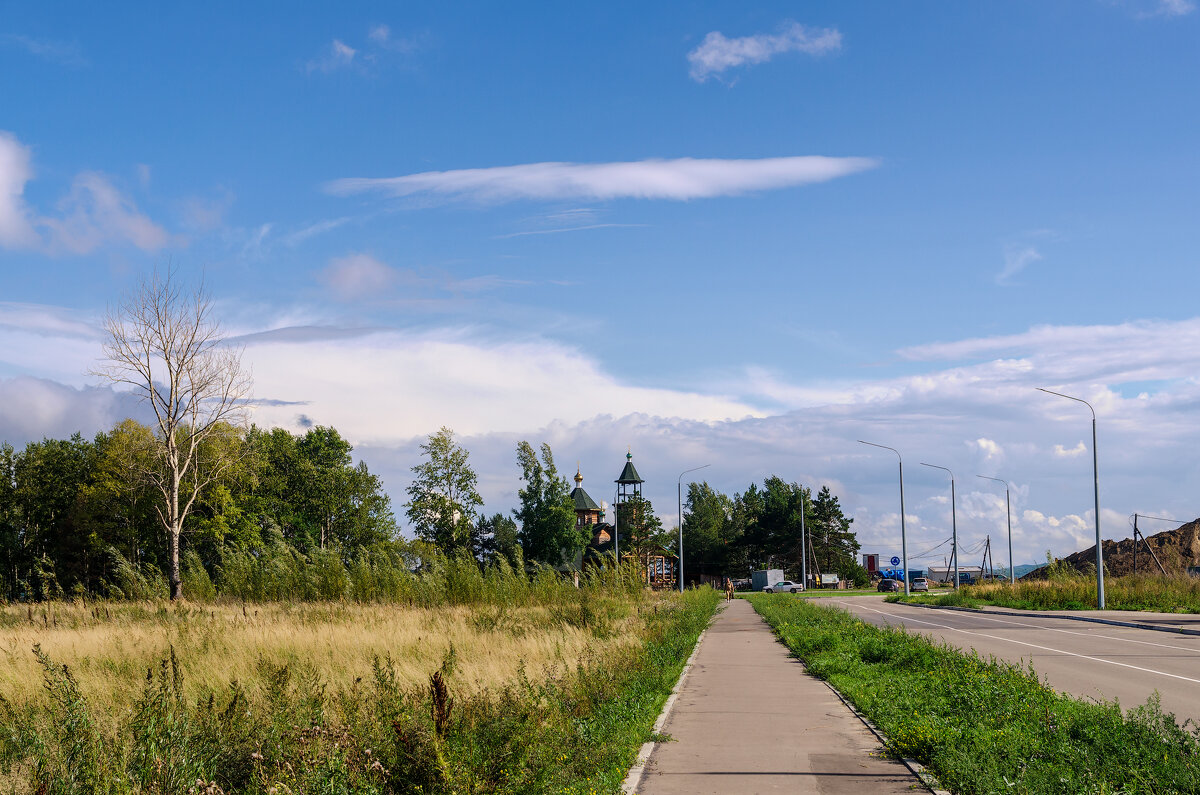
164 343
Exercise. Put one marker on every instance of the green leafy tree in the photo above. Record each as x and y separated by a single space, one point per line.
834 543
117 503
706 528
547 515
443 500
53 549
495 538
641 530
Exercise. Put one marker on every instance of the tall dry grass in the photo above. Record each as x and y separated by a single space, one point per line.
109 647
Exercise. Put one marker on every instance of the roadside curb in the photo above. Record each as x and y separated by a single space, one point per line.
633 778
918 769
1088 619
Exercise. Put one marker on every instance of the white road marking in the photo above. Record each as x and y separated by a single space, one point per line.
1087 634
1036 646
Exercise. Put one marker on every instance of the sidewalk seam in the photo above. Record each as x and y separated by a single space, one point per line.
1089 619
633 778
917 769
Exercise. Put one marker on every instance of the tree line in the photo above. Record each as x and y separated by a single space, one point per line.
293 515
197 497
760 528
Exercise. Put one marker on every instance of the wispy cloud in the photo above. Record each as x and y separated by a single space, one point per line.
92 214
60 52
1171 8
1016 259
564 229
336 56
717 53
679 179
357 277
380 43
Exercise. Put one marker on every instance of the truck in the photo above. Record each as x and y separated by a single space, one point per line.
764 577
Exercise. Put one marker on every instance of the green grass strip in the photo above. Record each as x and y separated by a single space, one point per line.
1150 593
985 726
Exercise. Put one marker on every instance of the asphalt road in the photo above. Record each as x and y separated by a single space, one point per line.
1094 661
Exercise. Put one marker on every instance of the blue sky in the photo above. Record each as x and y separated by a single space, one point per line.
747 234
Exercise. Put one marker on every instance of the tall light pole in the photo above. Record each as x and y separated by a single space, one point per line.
616 529
953 522
803 554
1012 570
903 537
679 495
1096 488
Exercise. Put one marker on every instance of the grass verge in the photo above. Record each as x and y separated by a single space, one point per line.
286 729
1151 593
985 726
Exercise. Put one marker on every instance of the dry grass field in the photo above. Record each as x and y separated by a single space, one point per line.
109 648
484 682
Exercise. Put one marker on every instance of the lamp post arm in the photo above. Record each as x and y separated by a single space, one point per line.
903 534
1012 569
1096 489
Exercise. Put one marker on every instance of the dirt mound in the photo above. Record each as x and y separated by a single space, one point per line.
1176 550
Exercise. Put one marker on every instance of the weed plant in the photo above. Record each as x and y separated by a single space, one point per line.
287 728
983 726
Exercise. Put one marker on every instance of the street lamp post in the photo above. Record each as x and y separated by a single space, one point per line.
953 522
679 496
616 529
1096 489
903 537
1012 569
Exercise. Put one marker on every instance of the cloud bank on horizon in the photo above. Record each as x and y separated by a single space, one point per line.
386 389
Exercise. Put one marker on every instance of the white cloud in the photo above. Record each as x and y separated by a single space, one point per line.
1070 452
95 213
989 448
337 56
391 386
718 53
380 33
679 179
1015 261
92 214
16 229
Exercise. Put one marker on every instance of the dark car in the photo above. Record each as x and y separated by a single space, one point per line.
889 585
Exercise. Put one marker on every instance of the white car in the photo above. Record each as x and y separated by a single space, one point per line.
787 586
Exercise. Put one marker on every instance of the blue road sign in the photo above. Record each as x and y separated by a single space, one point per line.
895 561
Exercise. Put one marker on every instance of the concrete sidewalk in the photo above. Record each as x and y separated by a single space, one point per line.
748 719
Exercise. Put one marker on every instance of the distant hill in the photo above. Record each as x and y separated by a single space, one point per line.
1175 549
1021 569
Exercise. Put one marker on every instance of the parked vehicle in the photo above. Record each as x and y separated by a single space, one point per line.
784 586
919 584
889 585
